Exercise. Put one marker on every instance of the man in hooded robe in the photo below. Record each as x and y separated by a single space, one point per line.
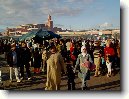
55 66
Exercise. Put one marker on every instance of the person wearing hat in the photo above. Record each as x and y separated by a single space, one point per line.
12 60
55 66
84 71
97 57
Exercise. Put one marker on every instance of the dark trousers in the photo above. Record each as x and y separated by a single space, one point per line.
71 77
32 63
71 84
74 63
68 55
27 66
117 61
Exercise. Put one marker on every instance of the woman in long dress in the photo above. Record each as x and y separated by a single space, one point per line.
82 64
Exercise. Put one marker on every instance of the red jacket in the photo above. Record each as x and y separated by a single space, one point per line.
109 50
73 57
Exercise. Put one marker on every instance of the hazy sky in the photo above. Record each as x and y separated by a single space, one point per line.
77 14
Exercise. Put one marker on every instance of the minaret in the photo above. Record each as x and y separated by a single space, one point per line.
50 23
49 17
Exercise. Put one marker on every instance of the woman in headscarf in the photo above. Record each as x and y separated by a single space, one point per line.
82 64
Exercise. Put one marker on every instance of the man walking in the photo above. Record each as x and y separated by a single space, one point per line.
55 66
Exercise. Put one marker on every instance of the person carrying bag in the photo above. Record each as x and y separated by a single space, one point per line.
83 64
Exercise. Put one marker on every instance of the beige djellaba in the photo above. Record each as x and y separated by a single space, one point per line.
55 65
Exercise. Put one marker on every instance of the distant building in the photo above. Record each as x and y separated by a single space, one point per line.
95 32
25 28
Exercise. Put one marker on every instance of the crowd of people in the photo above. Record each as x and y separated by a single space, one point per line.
58 57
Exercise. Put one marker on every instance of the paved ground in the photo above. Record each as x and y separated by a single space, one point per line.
38 81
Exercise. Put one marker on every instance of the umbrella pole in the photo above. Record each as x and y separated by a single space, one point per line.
43 40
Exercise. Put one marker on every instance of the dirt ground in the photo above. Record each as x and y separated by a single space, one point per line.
38 81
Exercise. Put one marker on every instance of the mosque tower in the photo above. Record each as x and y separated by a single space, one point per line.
49 23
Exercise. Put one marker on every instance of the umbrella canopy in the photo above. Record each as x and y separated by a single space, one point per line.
28 36
46 35
39 35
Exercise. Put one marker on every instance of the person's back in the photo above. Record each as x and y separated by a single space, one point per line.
25 55
55 65
55 58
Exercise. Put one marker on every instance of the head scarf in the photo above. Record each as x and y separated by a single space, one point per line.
84 54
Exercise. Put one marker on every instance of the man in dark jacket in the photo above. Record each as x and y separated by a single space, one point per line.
63 49
12 60
25 59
